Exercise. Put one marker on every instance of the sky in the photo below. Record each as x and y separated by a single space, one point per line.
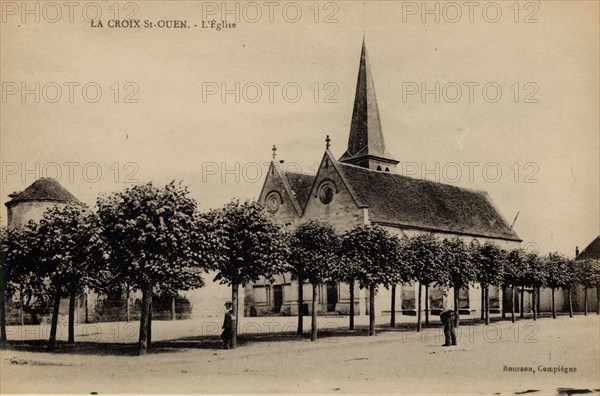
494 96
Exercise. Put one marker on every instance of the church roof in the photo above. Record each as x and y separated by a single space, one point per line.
366 135
301 185
44 189
399 200
592 251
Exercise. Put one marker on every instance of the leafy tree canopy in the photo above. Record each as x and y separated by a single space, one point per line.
314 248
377 256
251 244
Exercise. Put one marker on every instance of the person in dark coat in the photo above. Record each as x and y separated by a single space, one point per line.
227 334
448 318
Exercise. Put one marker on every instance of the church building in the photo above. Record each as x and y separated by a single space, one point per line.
362 187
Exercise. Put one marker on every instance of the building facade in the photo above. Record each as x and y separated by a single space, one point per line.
361 187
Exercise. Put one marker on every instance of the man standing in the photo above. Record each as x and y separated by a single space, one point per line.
448 317
227 327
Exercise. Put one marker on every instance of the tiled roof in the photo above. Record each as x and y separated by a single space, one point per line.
301 185
400 200
44 189
592 251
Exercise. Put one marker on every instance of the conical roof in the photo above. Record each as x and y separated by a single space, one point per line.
366 134
44 189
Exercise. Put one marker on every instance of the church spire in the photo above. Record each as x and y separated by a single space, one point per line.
366 145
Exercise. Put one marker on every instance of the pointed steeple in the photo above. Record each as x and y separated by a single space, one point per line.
366 145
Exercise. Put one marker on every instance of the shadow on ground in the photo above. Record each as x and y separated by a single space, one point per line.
213 341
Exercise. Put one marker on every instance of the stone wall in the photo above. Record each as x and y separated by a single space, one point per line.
21 213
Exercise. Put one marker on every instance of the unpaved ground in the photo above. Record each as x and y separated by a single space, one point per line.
392 362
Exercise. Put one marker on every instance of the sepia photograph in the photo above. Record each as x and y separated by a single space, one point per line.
300 197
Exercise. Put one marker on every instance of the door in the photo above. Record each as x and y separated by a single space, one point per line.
332 297
277 298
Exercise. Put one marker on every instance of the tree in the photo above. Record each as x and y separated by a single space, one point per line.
460 268
154 239
512 274
556 267
313 257
348 271
6 240
570 282
401 272
379 259
490 260
595 280
23 274
424 254
68 251
534 276
588 275
251 245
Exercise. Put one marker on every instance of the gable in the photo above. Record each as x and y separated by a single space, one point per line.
277 199
331 199
592 251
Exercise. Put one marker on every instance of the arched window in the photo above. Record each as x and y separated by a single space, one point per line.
387 169
378 167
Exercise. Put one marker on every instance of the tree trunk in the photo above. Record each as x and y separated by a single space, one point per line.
372 310
145 319
54 325
487 304
539 300
128 307
22 310
534 303
513 303
351 326
419 309
482 302
585 302
3 340
313 322
456 309
234 315
150 325
87 317
553 305
300 329
393 307
72 301
522 305
427 305
173 313
503 305
569 295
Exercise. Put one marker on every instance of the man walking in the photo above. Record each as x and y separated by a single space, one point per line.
227 334
448 317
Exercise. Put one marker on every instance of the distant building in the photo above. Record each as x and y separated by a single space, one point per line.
361 188
31 203
590 252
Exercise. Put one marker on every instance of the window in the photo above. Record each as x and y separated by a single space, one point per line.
273 202
463 298
326 192
408 296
